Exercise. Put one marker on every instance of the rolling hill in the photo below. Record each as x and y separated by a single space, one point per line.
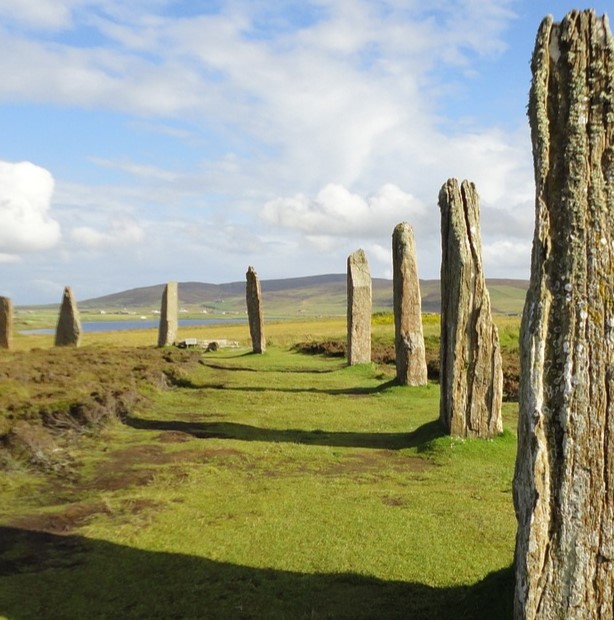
308 296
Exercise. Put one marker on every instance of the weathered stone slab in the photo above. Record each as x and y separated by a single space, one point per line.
359 302
68 330
253 297
6 323
169 312
564 479
471 374
409 339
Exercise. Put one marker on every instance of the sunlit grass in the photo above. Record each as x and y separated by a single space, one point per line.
279 485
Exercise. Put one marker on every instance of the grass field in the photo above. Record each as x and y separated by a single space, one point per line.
280 485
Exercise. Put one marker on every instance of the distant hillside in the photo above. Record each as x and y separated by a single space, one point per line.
311 295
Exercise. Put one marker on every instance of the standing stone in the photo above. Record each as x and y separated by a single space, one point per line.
253 297
167 328
359 309
471 374
6 323
409 340
68 330
564 479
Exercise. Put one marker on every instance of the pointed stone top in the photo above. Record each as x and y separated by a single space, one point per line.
68 330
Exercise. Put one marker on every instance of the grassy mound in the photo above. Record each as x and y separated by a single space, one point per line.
50 395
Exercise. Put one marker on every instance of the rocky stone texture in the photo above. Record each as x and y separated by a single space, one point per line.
68 330
564 479
409 339
169 309
253 297
6 323
359 309
471 375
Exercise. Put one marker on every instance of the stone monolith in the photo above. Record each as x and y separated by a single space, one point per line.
409 339
471 375
358 309
564 478
68 330
253 297
169 309
6 323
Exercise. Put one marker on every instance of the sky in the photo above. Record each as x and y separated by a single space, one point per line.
157 140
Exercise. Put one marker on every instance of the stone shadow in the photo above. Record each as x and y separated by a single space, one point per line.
419 438
297 371
357 391
47 575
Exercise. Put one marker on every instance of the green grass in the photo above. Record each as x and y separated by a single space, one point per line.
268 486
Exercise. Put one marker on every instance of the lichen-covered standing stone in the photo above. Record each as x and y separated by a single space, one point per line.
358 309
564 479
6 323
255 314
409 339
471 375
169 308
68 330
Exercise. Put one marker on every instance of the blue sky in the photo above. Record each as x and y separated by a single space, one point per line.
162 140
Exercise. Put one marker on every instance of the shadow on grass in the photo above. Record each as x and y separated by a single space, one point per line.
420 438
311 371
352 391
45 575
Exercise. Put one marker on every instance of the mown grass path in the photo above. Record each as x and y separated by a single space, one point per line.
272 486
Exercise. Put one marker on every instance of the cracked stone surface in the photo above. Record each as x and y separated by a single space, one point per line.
359 303
255 313
409 339
564 478
471 375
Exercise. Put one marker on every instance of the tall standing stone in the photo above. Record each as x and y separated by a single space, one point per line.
471 375
255 315
68 330
358 309
169 308
6 323
564 479
409 339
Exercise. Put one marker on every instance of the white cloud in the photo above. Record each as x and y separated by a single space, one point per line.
45 14
139 170
377 253
337 212
506 259
330 97
9 258
25 198
121 232
281 128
